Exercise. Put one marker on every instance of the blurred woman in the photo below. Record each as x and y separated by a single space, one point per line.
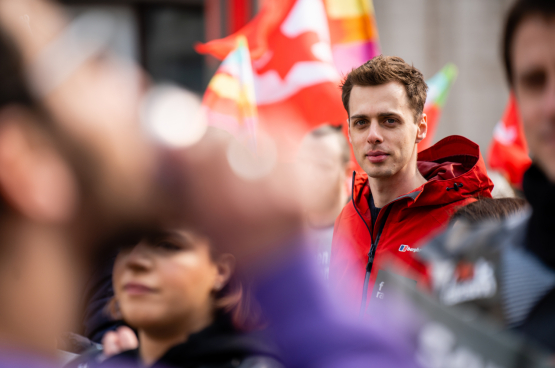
186 304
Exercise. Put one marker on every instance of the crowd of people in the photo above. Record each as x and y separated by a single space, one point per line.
119 249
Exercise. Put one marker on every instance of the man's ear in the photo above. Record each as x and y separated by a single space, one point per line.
34 179
422 128
349 129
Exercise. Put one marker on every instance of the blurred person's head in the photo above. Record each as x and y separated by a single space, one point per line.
529 58
38 198
485 209
325 166
57 189
384 99
173 283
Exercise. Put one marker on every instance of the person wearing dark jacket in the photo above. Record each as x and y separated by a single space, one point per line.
508 268
187 305
219 345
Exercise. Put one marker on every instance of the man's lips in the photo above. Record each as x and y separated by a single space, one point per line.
376 156
135 288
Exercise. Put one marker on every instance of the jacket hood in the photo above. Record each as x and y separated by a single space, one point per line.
454 170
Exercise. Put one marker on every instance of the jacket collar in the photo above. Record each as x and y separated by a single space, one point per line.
450 163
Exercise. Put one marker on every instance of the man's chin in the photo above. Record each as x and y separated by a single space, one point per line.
378 173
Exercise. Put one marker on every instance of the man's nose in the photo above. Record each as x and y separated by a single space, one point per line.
374 133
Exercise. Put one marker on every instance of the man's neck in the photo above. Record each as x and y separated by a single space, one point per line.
385 190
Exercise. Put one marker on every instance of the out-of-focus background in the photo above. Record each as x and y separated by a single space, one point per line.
430 33
160 34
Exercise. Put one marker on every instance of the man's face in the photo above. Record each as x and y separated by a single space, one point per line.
382 129
533 57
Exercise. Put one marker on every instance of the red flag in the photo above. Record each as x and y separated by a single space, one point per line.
295 78
508 152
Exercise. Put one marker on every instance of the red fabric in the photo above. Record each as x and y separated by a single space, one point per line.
257 31
508 151
239 10
454 159
306 104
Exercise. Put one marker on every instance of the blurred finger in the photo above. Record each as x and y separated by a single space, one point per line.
110 344
127 338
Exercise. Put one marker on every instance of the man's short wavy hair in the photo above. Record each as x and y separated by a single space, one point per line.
384 69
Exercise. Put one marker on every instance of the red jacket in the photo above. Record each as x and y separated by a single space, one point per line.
455 174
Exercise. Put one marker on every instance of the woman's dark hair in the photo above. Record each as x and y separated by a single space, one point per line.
237 301
521 10
488 209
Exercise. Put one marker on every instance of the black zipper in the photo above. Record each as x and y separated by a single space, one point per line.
373 244
371 252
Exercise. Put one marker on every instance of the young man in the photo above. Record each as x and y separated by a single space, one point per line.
401 197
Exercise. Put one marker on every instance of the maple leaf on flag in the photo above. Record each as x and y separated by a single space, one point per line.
281 60
295 79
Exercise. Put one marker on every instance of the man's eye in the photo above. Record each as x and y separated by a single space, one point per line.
390 121
360 122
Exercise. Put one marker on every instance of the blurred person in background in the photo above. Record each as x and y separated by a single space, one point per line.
401 197
41 191
58 201
325 169
83 172
518 288
187 304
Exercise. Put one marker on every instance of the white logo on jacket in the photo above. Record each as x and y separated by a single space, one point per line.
406 248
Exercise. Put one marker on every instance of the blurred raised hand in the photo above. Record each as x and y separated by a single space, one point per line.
120 340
